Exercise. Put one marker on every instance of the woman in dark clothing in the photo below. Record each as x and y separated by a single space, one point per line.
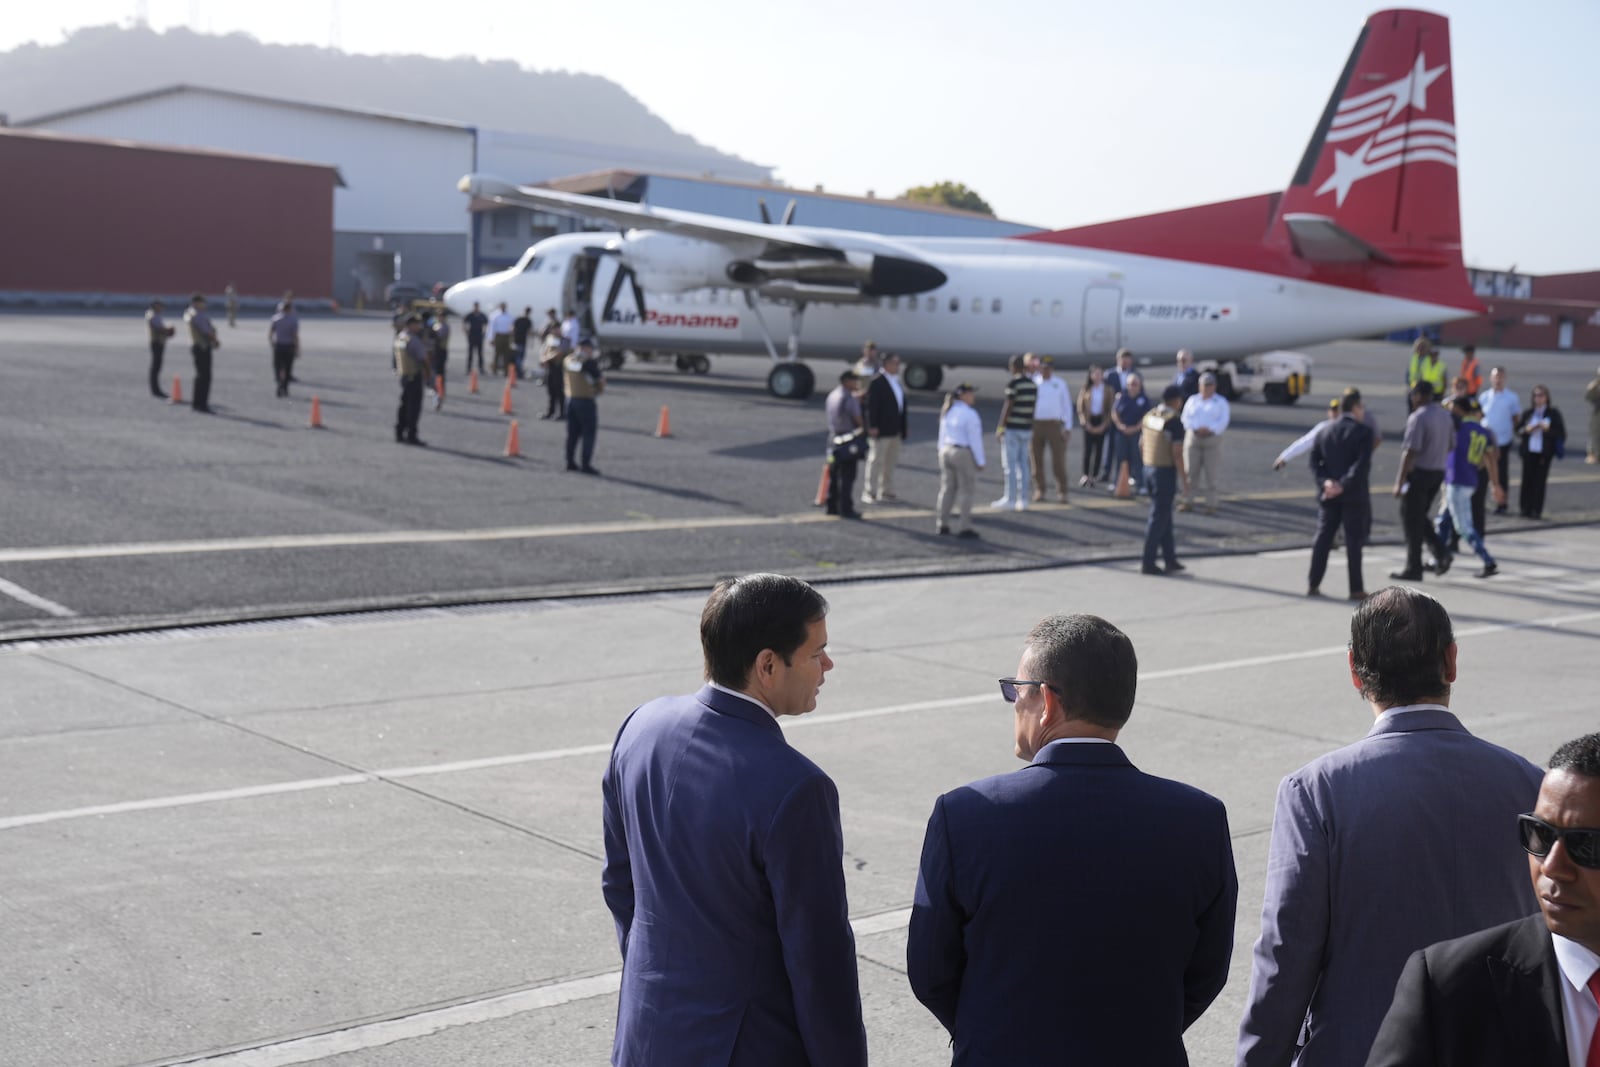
1541 438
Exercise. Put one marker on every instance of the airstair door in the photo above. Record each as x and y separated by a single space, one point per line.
1102 320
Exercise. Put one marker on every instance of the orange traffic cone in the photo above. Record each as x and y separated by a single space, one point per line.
513 441
316 413
663 425
1124 481
472 381
505 399
177 389
822 489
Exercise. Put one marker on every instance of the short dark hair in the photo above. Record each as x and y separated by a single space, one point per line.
1398 638
1350 401
744 616
1581 755
1423 390
1017 363
1463 404
1090 663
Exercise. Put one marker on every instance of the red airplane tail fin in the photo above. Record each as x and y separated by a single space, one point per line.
1377 183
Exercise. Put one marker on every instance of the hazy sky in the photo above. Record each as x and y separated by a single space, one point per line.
1059 112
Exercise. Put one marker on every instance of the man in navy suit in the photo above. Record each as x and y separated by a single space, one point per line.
724 855
1399 840
1341 460
1076 910
1522 993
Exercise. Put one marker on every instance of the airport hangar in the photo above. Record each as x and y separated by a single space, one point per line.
397 215
102 219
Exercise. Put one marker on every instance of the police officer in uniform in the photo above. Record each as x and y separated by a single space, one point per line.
410 363
203 341
159 332
1161 449
584 382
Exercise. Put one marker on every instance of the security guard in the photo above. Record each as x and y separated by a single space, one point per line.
410 363
584 382
1161 448
203 341
159 332
1426 366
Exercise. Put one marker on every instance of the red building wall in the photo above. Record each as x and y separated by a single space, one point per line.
1584 285
83 215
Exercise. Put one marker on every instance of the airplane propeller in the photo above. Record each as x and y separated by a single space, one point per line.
788 212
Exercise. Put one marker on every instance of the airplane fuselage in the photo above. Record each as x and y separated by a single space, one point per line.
1000 297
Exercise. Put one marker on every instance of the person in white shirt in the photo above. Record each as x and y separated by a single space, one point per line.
1303 443
1052 427
500 327
1502 414
960 459
1205 419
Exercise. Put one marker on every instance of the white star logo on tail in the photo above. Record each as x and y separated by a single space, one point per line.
1388 146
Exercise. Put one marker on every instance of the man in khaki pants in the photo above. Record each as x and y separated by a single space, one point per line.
1052 428
1205 420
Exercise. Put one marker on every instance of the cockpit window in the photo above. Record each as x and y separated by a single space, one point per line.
530 264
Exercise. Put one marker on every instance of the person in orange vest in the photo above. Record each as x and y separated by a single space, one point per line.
1469 368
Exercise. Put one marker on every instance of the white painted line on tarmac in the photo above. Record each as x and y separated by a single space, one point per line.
410 1027
393 537
458 766
424 1023
34 600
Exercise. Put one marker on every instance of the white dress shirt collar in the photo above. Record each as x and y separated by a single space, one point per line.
1578 1008
744 696
1402 709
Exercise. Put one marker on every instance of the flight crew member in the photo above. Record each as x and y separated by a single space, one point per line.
203 341
1161 451
476 323
283 333
585 382
1426 366
159 332
410 363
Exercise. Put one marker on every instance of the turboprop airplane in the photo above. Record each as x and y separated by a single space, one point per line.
1366 239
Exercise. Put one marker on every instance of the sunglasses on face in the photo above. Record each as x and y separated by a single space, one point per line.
1539 837
1008 688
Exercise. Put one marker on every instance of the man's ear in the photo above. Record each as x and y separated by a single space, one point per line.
1355 679
1450 664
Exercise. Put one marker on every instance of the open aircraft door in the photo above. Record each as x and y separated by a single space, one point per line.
1102 320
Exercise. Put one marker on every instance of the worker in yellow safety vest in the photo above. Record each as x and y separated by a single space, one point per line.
1426 366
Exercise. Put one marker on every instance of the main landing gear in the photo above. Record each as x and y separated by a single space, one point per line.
925 376
791 381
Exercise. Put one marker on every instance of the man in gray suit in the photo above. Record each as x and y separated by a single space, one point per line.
1382 847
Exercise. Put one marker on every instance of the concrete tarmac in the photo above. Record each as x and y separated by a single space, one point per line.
121 511
375 839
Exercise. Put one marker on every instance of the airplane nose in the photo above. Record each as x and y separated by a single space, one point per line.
460 296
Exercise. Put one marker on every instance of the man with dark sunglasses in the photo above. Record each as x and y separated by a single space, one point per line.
1525 992
1381 847
1022 943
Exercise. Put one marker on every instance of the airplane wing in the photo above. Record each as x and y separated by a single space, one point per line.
777 261
625 214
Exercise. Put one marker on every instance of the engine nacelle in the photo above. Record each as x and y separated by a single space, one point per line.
668 263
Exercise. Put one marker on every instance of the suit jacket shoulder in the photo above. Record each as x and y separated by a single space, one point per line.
1489 998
